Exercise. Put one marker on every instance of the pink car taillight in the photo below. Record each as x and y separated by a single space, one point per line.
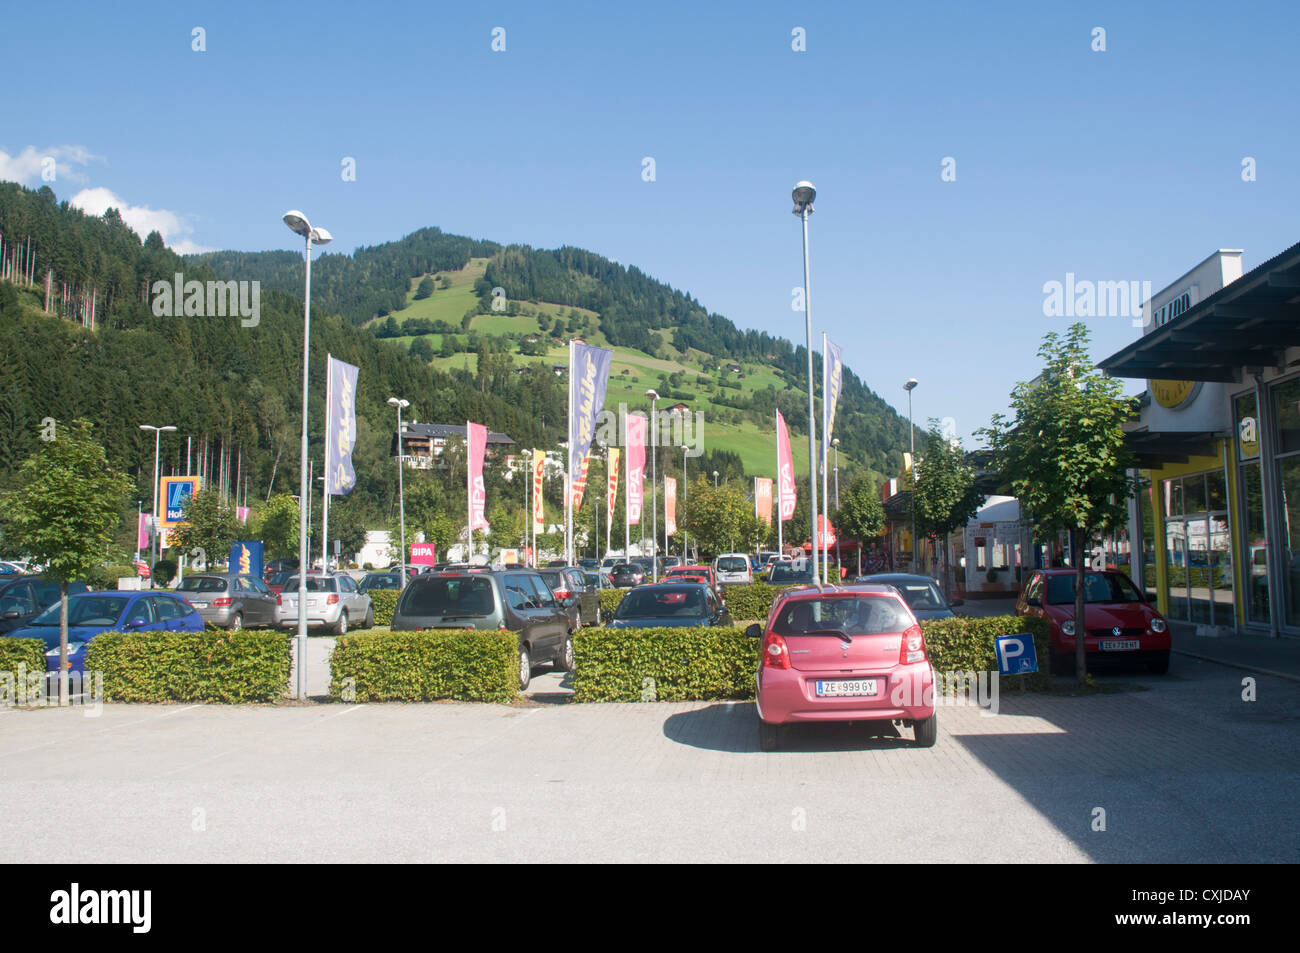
775 653
912 647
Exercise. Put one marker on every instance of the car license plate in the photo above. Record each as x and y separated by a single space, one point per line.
1124 646
199 605
845 689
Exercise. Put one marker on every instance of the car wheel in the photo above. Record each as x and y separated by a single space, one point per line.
769 736
525 669
370 618
926 732
564 661
341 628
238 623
1160 665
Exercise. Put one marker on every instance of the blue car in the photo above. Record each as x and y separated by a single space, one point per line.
670 605
91 613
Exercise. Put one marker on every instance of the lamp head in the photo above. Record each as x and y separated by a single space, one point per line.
910 385
297 222
803 196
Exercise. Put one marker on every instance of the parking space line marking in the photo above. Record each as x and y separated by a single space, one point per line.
195 764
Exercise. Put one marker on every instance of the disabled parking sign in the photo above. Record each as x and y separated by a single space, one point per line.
1016 654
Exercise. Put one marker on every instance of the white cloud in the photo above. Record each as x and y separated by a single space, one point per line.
33 167
142 219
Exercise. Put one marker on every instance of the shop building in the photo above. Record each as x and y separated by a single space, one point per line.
1215 525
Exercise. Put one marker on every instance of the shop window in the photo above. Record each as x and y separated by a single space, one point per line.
1286 407
1194 494
1216 491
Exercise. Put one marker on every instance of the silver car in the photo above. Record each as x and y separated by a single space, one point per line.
230 600
333 602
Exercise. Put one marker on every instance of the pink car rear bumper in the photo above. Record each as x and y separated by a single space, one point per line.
789 695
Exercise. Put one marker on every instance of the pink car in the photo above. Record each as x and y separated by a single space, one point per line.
852 653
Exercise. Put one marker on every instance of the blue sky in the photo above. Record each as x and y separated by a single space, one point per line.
1115 165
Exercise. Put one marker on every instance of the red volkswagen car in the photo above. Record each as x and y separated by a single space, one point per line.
851 653
1121 623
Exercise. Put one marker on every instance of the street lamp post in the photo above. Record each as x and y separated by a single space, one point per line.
157 529
910 386
654 485
401 404
298 224
715 479
803 196
685 484
839 567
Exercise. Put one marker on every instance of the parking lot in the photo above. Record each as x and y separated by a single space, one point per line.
1185 771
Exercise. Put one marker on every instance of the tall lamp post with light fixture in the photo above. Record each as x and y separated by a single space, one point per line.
910 386
401 405
839 567
157 529
654 485
299 225
803 196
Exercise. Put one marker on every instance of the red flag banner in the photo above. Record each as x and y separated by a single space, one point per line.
786 463
580 483
763 499
612 493
539 509
670 505
476 445
636 428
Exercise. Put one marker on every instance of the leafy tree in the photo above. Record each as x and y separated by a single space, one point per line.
278 525
209 526
944 496
64 514
860 514
422 350
1063 453
717 519
424 289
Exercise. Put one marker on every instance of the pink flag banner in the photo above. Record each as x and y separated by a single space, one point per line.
636 432
476 443
786 462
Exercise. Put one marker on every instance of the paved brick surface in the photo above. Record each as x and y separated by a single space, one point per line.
1185 771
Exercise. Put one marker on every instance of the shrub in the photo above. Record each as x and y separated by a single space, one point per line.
385 604
30 653
424 666
164 571
106 577
749 602
965 644
609 600
251 665
663 664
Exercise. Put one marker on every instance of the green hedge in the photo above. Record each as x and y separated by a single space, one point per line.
609 600
425 666
384 602
251 665
965 644
612 665
29 653
706 664
751 602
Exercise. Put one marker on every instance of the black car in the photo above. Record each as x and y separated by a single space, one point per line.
572 581
23 598
515 599
671 605
627 575
381 580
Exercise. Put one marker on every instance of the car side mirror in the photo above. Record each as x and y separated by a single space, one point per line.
755 631
135 623
11 614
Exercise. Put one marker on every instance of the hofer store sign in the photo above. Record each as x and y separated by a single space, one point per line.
423 554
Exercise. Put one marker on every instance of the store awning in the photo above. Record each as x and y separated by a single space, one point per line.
1156 448
1250 323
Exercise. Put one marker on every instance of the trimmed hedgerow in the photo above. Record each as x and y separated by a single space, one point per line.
965 644
384 602
609 600
29 653
250 665
425 666
663 664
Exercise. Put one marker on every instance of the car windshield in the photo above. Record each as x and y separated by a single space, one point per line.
1097 587
786 573
381 581
863 615
202 584
626 567
86 610
314 583
457 596
920 594
733 564
660 603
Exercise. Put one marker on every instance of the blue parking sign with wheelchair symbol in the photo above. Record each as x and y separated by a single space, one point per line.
1016 654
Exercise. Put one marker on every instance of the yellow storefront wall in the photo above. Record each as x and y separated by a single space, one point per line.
1196 465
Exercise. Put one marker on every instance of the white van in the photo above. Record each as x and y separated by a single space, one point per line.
731 569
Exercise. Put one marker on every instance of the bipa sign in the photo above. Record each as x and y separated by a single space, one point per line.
423 554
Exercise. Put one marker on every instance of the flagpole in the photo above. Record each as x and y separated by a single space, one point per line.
627 492
826 436
780 505
609 499
325 505
568 469
469 494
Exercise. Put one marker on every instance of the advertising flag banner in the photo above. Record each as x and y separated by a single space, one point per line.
763 499
241 513
246 557
539 509
423 554
670 505
612 492
825 532
341 426
476 445
142 531
580 483
636 428
786 461
833 363
588 378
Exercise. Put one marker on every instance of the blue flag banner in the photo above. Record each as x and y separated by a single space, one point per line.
246 557
341 426
588 377
833 364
